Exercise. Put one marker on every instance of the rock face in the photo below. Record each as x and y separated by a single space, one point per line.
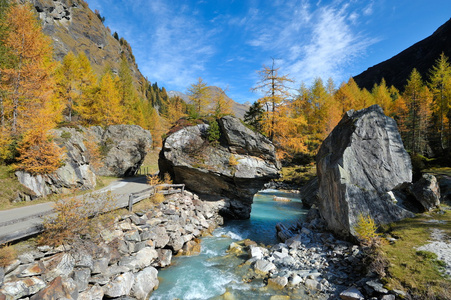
236 168
359 165
74 27
76 173
123 149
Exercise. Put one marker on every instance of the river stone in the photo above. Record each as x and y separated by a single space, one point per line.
119 286
427 191
159 236
234 169
164 257
351 293
26 258
59 288
263 267
132 236
312 284
175 242
100 265
191 248
361 161
95 293
83 259
277 282
256 252
143 259
145 282
12 266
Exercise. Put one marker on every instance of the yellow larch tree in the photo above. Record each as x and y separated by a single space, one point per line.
222 105
30 107
101 104
198 95
275 92
175 109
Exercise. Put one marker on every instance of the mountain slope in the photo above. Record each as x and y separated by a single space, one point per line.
238 109
73 26
421 56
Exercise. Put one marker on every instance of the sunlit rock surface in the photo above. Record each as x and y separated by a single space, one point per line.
235 168
360 164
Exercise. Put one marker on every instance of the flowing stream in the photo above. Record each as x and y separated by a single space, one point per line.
213 273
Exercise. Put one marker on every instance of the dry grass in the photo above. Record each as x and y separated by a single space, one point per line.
438 171
72 221
417 271
7 255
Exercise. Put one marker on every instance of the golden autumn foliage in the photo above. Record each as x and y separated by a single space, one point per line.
222 105
28 83
71 222
102 104
29 107
198 95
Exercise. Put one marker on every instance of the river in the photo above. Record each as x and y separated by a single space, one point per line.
213 273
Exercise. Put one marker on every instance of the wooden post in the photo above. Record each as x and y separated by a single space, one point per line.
130 202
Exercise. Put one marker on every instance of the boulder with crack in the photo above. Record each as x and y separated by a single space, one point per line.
360 165
234 168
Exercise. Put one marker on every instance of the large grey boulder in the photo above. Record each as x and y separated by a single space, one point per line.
124 148
76 172
427 191
359 165
122 151
236 168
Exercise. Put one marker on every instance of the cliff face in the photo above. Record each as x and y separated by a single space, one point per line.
421 56
73 26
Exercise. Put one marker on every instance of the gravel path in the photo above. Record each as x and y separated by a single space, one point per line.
441 245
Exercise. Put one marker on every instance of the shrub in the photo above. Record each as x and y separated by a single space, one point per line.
7 255
233 161
95 152
372 242
153 180
213 133
366 230
72 220
66 135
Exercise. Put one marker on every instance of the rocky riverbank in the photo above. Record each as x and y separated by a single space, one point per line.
314 261
123 264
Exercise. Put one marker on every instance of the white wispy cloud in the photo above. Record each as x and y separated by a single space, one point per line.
172 46
314 41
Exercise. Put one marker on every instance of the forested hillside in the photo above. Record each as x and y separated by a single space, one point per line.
421 56
299 122
79 75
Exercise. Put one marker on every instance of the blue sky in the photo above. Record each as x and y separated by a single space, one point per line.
226 42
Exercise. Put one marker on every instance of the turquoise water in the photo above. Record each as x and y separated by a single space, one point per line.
208 275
